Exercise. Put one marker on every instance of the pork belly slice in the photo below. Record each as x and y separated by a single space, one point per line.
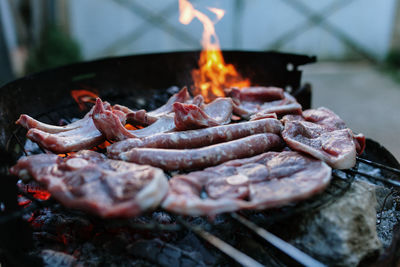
144 118
322 134
197 138
81 134
252 100
88 181
188 159
189 116
269 180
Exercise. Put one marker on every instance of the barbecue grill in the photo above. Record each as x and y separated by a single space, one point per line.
145 81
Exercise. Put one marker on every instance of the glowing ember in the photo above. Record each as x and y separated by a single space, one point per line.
83 96
130 127
104 144
213 75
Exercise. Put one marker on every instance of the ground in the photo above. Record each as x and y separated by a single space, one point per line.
365 97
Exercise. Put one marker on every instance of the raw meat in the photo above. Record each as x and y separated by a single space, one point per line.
257 94
142 117
78 135
186 159
272 179
264 100
88 181
322 134
108 123
189 116
198 138
28 122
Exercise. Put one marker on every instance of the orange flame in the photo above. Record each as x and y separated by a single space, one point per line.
213 75
83 96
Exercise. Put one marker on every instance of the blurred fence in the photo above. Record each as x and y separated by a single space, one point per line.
334 29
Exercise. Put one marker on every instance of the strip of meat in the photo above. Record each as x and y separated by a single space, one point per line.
108 123
198 138
186 159
28 122
259 94
324 135
252 101
269 180
263 115
188 116
88 181
314 133
142 117
336 148
288 105
76 136
327 118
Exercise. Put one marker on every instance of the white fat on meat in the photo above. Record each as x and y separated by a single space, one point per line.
81 134
259 101
269 180
322 134
88 181
188 116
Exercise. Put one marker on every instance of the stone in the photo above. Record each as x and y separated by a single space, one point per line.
342 233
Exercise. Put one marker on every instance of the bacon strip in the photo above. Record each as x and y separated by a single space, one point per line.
88 181
272 179
174 159
198 138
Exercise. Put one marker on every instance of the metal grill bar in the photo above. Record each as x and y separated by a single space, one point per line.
222 246
378 165
385 180
278 243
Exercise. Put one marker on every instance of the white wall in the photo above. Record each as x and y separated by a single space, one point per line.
98 24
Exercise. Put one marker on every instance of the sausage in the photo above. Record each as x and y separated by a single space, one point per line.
198 138
186 159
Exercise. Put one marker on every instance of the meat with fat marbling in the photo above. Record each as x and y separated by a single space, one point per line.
88 181
322 134
252 100
81 134
188 116
144 118
269 180
111 127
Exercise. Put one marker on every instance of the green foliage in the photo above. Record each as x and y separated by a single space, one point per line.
393 58
392 65
55 49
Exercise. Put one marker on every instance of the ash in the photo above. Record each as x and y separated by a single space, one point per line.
388 216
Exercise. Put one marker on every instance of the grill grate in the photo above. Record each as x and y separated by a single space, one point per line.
17 145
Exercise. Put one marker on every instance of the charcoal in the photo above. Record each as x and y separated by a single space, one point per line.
384 198
165 254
